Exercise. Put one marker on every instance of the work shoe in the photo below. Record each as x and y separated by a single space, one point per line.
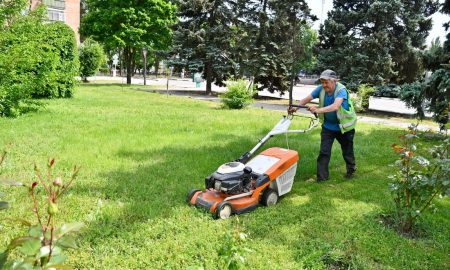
350 174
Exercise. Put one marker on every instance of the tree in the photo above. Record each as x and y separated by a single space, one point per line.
203 38
375 41
131 25
10 10
277 40
91 58
435 56
436 89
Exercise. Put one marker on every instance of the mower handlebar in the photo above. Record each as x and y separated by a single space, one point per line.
299 106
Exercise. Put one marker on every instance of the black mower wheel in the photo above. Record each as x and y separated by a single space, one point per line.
269 197
223 210
191 194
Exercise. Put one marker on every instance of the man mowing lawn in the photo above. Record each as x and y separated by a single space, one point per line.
338 119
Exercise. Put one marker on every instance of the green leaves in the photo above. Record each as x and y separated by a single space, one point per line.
30 246
238 95
386 35
130 24
37 60
91 58
70 228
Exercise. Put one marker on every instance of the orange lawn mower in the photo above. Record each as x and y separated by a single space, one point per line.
240 186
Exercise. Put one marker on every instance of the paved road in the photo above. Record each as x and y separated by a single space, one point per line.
187 88
392 105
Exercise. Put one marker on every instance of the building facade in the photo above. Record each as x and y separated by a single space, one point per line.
67 11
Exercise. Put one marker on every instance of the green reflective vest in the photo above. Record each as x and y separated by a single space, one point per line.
347 118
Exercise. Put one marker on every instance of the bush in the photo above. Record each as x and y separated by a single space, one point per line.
62 38
27 63
362 100
418 180
387 90
92 58
238 95
37 60
412 95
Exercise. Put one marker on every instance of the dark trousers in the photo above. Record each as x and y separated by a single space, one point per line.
326 142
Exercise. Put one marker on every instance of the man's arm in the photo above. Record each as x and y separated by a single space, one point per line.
330 108
307 99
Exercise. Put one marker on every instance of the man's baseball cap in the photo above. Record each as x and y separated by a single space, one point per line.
328 75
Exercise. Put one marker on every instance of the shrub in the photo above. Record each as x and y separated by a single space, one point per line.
37 60
362 100
62 39
432 95
412 95
238 95
387 90
418 180
91 58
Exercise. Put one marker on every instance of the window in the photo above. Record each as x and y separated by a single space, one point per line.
55 4
56 15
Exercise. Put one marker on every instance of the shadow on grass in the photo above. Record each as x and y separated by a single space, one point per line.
321 222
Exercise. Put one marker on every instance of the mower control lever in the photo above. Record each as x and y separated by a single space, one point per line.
290 111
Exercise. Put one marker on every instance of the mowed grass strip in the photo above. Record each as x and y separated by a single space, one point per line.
141 153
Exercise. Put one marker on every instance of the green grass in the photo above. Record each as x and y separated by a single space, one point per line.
142 152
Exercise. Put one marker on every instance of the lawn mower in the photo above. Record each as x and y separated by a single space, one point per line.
241 185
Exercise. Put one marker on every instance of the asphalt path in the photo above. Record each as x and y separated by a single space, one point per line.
185 87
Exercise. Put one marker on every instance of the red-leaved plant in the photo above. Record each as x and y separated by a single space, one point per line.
418 181
42 247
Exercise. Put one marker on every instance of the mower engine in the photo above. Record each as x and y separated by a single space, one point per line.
231 178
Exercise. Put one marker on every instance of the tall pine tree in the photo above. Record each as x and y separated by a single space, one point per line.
375 41
203 38
275 40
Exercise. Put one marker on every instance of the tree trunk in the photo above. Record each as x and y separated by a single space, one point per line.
128 53
208 76
291 88
120 62
156 66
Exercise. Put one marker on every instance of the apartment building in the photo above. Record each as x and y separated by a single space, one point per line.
67 11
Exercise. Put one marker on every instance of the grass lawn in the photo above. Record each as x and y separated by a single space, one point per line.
142 152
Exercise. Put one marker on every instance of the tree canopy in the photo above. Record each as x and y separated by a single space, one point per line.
131 25
203 38
261 39
376 41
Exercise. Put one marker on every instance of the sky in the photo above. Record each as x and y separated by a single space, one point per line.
438 18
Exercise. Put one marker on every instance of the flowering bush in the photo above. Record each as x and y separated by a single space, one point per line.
42 247
418 180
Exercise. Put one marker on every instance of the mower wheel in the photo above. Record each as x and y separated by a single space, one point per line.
223 210
191 194
269 197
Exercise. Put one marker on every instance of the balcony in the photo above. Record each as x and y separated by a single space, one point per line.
55 4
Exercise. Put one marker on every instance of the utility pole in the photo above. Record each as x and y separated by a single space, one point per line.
321 15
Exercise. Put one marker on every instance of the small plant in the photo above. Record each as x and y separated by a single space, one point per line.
238 95
362 101
232 251
418 180
42 247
